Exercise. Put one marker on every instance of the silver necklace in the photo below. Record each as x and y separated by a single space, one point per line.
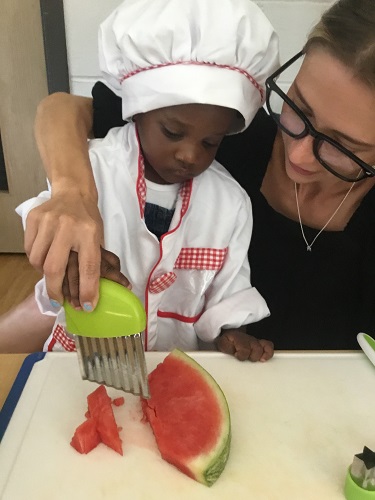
309 245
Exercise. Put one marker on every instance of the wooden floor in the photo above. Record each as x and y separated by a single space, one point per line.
17 280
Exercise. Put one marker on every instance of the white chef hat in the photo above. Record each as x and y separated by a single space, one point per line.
158 53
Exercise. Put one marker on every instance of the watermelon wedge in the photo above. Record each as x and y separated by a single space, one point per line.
189 416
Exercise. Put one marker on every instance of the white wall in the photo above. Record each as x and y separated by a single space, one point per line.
292 19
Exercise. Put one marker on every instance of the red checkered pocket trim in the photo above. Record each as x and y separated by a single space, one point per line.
201 258
59 335
162 282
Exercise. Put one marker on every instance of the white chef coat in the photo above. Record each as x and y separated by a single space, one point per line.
196 279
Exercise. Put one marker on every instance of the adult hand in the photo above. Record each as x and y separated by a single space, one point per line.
244 347
109 268
68 221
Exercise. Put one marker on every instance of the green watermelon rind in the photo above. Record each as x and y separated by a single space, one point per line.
206 468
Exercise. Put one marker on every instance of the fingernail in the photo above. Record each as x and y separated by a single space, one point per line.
54 303
87 306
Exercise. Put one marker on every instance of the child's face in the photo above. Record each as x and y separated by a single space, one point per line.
180 142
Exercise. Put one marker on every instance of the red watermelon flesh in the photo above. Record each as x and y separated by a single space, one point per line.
86 437
189 416
100 409
118 401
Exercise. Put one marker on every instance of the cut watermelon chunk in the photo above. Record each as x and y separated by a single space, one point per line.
86 437
189 416
118 401
101 411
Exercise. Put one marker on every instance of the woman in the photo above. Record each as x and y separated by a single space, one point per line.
309 172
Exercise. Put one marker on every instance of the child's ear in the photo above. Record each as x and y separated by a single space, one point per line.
238 123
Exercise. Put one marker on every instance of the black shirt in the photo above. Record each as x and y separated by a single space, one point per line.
319 299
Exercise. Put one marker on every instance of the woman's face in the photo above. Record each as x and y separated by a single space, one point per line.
180 142
338 105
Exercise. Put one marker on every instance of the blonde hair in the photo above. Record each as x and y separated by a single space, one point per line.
347 31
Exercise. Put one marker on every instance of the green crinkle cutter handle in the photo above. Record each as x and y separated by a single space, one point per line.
119 313
367 344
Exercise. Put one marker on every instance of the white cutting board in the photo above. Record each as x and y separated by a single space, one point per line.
297 422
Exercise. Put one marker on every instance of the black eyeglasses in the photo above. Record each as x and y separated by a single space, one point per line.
331 154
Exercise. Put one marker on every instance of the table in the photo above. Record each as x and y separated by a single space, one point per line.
9 367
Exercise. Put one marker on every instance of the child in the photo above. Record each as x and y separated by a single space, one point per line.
189 73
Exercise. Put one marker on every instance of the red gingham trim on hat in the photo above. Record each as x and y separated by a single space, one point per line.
201 258
197 63
162 282
60 336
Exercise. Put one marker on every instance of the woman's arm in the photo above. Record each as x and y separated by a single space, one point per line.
71 219
64 120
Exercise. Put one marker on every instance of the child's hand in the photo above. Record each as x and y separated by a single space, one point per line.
243 346
109 268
